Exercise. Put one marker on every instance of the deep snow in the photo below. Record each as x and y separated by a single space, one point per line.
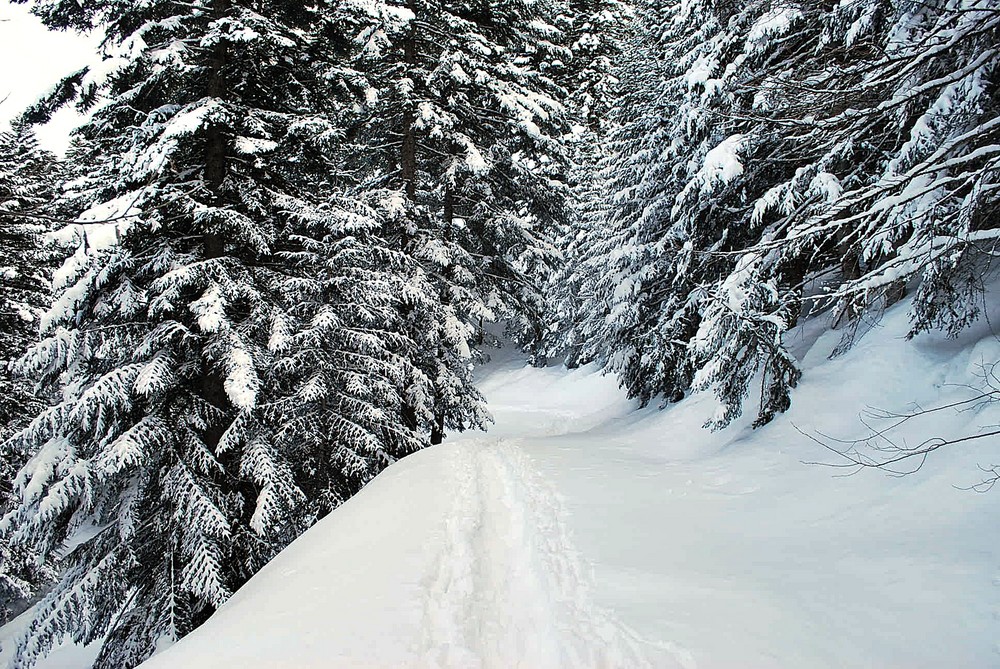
581 532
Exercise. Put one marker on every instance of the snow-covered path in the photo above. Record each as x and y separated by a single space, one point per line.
460 557
580 532
510 589
489 579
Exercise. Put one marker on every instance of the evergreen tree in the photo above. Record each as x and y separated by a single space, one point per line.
868 165
598 30
465 127
237 358
27 177
636 270
898 168
790 148
597 36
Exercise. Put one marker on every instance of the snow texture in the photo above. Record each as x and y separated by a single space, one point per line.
583 533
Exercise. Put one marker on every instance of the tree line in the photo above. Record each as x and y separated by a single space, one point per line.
283 230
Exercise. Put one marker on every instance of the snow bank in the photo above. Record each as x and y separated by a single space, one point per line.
583 533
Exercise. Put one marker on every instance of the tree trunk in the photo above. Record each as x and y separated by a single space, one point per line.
437 432
216 158
213 243
449 211
850 268
448 216
408 157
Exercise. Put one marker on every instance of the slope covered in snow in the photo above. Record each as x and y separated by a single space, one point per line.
582 533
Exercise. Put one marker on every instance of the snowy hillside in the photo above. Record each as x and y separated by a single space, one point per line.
257 278
582 533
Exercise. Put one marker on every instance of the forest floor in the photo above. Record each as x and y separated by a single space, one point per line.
581 531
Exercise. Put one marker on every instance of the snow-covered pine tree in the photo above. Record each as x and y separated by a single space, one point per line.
733 321
613 255
597 34
791 145
897 164
350 396
661 231
871 128
467 129
230 360
27 177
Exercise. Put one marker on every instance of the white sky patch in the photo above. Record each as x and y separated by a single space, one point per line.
33 60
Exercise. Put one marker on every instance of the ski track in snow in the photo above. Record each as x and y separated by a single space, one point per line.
511 589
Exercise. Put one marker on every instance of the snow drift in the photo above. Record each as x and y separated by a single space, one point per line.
580 532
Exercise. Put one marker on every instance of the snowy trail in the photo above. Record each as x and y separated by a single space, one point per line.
510 589
581 532
494 580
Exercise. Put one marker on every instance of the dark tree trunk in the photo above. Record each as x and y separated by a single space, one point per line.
408 157
850 268
213 244
449 211
216 158
437 432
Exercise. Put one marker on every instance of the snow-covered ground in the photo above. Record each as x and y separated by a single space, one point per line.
582 533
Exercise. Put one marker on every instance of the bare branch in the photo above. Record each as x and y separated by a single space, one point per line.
881 448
